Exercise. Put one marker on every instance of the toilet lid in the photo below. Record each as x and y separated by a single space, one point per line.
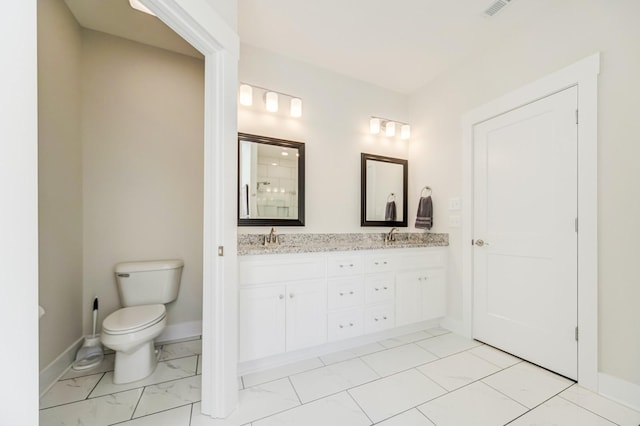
133 318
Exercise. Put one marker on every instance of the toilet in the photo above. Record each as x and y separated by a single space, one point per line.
144 289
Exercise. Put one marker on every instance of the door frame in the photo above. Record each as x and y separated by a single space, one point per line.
200 25
584 75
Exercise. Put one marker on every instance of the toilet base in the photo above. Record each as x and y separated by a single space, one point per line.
136 365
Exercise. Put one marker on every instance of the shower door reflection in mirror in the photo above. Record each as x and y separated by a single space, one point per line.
270 181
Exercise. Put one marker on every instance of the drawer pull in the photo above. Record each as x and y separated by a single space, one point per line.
290 295
281 296
351 292
349 265
377 263
386 288
341 326
375 319
384 318
343 293
350 324
376 289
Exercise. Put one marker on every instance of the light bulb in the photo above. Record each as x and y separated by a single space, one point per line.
390 129
374 125
246 95
405 131
296 107
271 100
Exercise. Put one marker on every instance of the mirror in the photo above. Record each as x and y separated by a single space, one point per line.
383 191
270 181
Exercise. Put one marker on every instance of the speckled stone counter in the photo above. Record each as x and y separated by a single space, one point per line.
252 244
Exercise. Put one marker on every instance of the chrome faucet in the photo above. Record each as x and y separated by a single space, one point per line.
272 238
391 236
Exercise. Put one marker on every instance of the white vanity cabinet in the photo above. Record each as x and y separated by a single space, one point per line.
282 305
294 301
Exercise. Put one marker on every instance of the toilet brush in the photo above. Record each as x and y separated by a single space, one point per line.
90 354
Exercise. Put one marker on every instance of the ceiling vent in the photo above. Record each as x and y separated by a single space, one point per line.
496 7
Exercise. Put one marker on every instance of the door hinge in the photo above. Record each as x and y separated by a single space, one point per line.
576 224
220 251
473 242
576 116
576 334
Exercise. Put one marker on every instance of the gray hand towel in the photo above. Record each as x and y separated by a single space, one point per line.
390 211
424 218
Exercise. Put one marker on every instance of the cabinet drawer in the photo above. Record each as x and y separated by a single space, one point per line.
379 288
345 293
345 266
344 325
381 263
280 270
378 318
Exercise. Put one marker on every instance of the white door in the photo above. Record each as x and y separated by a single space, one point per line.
524 227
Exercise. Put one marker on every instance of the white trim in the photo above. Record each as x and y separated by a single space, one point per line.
198 23
262 364
180 331
584 75
454 325
52 372
619 390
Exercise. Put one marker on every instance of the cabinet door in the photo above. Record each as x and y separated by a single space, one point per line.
306 314
434 294
408 298
262 322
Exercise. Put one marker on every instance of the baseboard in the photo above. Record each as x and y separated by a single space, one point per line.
180 331
253 366
52 372
58 367
619 390
454 325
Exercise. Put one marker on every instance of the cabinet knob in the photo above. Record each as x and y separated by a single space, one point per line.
375 263
350 324
385 262
290 295
351 292
386 288
281 296
384 318
341 326
341 294
375 319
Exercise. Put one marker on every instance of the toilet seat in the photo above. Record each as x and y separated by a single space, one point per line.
133 319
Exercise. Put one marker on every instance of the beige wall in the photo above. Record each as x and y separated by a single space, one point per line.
335 128
572 30
60 179
142 133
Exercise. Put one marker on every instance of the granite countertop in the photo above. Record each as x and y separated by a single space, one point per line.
252 244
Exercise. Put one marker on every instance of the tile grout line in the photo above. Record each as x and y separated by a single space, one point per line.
137 403
358 405
528 409
295 390
585 408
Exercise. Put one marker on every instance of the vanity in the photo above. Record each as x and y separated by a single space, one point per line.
323 292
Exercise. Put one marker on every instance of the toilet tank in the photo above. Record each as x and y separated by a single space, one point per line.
148 282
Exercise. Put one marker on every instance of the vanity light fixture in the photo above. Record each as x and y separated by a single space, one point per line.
374 125
390 127
296 107
271 99
405 131
246 95
141 7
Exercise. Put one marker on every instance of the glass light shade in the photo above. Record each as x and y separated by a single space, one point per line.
246 95
374 125
141 7
390 129
405 131
271 100
296 107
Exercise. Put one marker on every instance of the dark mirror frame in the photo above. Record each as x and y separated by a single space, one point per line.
363 190
287 144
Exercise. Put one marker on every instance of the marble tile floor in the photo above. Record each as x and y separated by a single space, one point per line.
428 378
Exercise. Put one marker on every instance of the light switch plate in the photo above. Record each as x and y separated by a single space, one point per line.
455 203
454 221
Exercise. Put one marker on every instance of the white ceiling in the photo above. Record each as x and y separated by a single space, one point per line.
397 44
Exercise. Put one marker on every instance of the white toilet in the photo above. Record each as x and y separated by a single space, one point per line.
144 288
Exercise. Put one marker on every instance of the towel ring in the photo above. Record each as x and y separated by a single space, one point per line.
392 196
426 188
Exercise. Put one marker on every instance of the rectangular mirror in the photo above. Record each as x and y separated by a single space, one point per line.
270 181
383 191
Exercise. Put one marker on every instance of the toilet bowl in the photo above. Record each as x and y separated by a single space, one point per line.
144 288
130 333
